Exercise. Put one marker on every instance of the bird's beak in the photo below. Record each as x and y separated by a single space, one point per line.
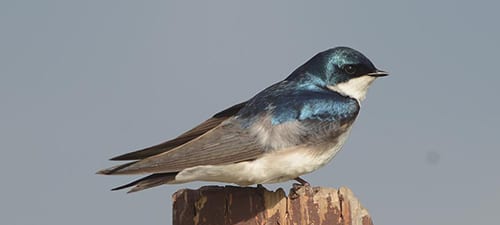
378 73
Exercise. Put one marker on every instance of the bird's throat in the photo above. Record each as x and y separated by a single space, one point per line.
355 88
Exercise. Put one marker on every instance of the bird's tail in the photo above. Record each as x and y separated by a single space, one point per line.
148 182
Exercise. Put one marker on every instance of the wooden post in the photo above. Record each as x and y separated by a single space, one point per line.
229 205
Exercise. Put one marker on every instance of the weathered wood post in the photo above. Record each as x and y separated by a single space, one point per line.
229 205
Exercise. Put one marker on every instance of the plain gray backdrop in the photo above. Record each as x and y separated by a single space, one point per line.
82 81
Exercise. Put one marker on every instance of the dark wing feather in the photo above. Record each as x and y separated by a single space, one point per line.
150 181
183 138
227 143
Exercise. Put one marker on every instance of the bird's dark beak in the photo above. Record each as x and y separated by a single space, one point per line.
378 73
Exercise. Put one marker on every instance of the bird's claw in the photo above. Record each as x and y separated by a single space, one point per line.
297 186
302 181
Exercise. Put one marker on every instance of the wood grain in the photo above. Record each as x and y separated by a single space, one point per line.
229 205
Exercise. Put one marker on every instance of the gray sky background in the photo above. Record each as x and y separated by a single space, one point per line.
82 81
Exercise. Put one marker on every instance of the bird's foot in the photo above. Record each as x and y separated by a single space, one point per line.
302 181
296 187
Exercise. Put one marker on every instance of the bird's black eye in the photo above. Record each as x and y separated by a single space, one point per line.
349 69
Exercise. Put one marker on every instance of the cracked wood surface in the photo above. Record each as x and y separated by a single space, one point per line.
215 205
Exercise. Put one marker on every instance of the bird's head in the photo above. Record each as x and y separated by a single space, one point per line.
340 69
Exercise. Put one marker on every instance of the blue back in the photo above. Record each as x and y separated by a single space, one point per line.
291 100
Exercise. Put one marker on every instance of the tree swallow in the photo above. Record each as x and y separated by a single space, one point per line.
289 129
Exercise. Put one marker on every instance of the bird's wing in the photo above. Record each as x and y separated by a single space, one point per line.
183 138
150 181
226 143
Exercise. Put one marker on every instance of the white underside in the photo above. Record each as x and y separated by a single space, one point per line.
276 166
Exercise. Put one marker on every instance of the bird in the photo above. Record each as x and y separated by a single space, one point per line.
289 129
